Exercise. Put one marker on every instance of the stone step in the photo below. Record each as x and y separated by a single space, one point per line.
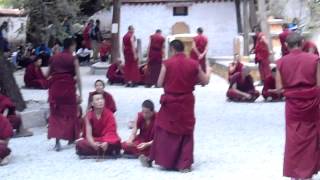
99 68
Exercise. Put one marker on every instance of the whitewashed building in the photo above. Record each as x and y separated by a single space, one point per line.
216 17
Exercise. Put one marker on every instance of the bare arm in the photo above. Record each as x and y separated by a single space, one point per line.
4 142
204 78
78 77
134 132
134 47
148 50
279 84
5 112
205 51
194 47
89 131
162 76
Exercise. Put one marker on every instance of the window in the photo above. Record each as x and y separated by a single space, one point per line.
180 11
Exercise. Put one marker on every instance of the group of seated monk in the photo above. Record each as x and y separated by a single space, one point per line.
100 138
242 89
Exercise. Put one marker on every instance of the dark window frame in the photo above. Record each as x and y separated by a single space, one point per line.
184 9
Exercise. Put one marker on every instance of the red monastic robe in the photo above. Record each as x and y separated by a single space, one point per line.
244 85
201 43
154 59
86 36
146 132
270 83
298 70
63 121
5 133
238 69
34 78
103 130
262 58
283 36
310 45
109 102
131 68
115 74
6 103
173 140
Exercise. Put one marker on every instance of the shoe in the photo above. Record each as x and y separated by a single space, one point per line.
145 161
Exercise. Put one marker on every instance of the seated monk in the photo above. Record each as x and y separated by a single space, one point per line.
143 69
8 109
5 133
140 143
115 73
109 102
234 67
33 77
100 136
269 91
242 88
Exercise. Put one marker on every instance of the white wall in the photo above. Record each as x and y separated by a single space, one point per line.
217 18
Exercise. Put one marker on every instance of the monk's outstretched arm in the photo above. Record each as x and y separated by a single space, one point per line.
318 73
162 76
204 78
78 77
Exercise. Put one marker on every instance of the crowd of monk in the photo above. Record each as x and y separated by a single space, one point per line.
166 137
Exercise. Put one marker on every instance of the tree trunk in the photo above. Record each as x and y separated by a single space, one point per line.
115 48
8 84
238 13
245 28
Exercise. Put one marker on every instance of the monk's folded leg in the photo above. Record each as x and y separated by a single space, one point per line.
233 95
113 149
130 149
15 121
4 151
83 148
255 95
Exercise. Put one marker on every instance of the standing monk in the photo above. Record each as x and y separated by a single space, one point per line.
262 56
310 47
5 133
64 76
155 55
200 48
283 36
131 68
100 136
299 77
172 146
86 34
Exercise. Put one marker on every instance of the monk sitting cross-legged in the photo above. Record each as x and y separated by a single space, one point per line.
34 77
5 133
234 67
241 87
140 143
100 136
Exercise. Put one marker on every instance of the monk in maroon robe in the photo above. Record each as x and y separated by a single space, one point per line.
33 77
173 144
155 55
234 67
140 143
283 36
100 137
64 76
8 109
269 91
298 76
310 47
131 67
200 49
262 56
86 34
6 133
109 102
115 73
241 87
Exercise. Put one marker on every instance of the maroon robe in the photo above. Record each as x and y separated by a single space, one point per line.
154 59
172 146
270 83
115 74
5 133
131 68
298 70
244 85
86 36
262 57
6 103
103 130
109 102
307 45
34 78
201 43
238 69
146 132
63 121
283 37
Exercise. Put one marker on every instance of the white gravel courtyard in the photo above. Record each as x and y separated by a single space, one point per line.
232 140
